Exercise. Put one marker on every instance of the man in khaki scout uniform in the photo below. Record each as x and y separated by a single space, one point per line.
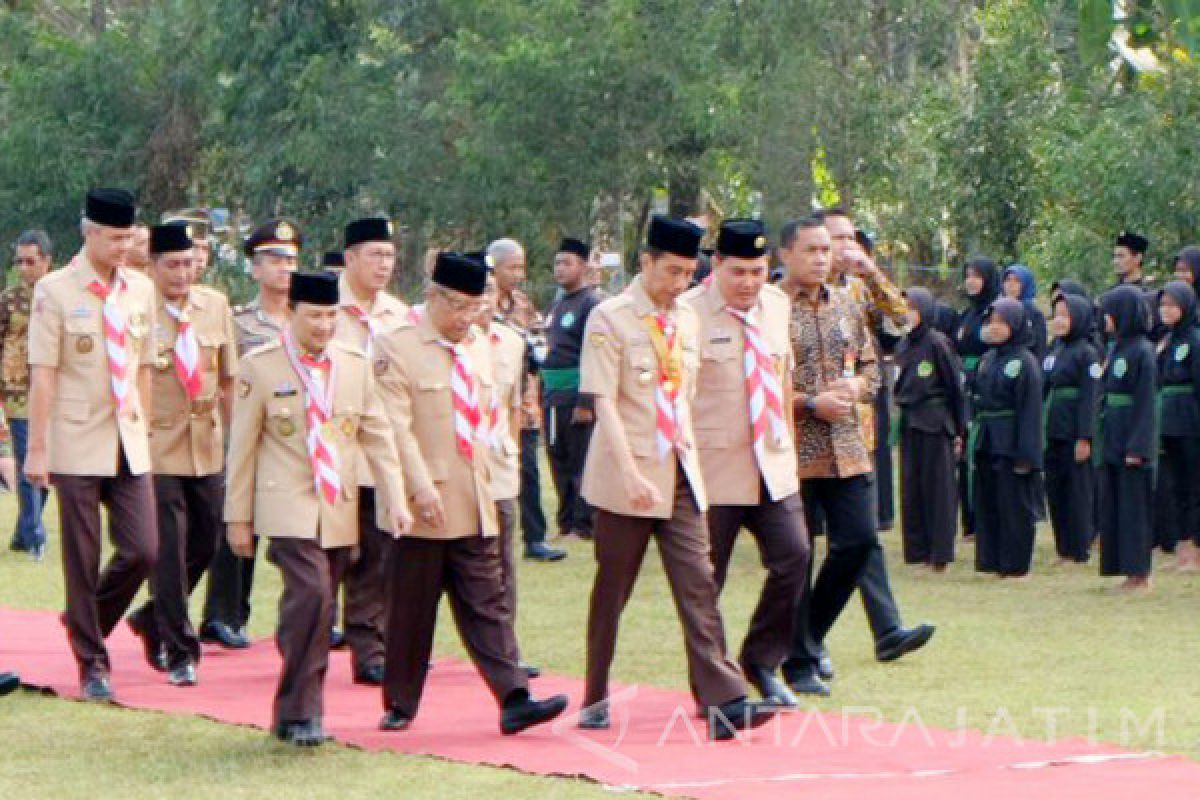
273 249
743 421
306 409
367 311
643 477
437 382
195 359
508 350
90 352
33 256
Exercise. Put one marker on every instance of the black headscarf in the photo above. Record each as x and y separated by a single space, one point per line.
991 281
1190 256
1184 297
1012 312
1127 306
945 319
1068 286
1081 311
922 300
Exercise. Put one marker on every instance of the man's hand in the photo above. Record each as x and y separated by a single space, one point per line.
36 469
241 539
402 522
1083 451
8 472
643 495
857 262
428 505
832 406
582 416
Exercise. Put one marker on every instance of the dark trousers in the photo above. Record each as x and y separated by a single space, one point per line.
506 516
567 444
929 497
1071 499
533 519
848 509
1126 517
1181 461
230 583
778 529
885 489
683 546
1166 529
310 578
96 600
469 571
365 598
189 525
30 531
1005 516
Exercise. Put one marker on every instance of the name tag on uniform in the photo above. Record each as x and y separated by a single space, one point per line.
81 312
720 337
286 390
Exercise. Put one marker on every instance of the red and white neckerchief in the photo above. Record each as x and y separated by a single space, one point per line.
369 322
465 392
187 352
318 374
666 392
116 339
497 415
763 389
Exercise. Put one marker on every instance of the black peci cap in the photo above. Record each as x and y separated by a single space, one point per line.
742 238
334 259
677 236
370 229
317 288
576 246
113 208
173 237
1135 242
460 273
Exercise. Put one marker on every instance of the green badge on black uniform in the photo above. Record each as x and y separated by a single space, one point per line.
1120 368
568 319
1182 351
1096 371
1013 368
924 369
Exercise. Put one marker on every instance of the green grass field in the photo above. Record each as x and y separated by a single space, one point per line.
1117 668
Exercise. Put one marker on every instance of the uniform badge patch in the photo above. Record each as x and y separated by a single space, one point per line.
1048 364
1120 367
568 319
1181 352
348 427
924 369
243 387
597 339
285 426
1096 371
1013 368
381 366
84 344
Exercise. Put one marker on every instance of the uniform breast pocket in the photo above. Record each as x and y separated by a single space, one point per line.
432 397
345 420
209 346
84 339
283 420
71 410
641 365
720 369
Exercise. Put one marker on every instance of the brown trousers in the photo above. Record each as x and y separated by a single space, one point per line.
621 543
311 575
189 527
468 569
363 611
97 600
779 530
506 516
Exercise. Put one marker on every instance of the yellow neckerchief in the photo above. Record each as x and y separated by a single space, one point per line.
669 353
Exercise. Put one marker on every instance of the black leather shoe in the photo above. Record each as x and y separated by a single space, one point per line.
540 551
526 712
531 670
724 721
393 720
96 689
825 666
183 675
308 733
805 680
595 717
903 641
152 648
774 691
337 639
369 676
219 633
9 683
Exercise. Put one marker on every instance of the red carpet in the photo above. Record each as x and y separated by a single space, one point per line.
659 748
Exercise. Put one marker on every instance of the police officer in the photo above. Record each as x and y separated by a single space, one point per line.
437 382
273 249
366 311
90 352
643 477
195 360
743 421
306 410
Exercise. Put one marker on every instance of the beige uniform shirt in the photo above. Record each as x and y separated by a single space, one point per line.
187 436
269 478
721 413
619 364
415 384
253 327
508 364
66 332
388 312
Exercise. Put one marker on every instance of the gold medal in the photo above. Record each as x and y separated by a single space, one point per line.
285 427
348 427
84 344
162 362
